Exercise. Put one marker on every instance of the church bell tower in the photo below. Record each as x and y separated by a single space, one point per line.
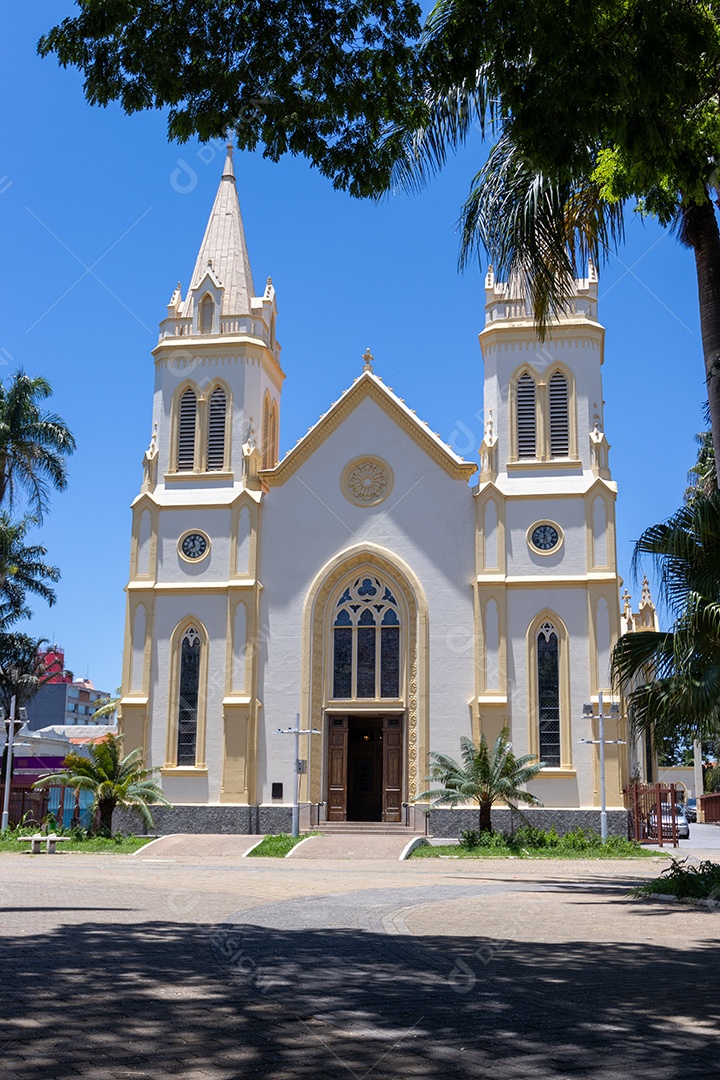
189 695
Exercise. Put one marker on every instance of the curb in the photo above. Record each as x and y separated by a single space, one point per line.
689 901
418 841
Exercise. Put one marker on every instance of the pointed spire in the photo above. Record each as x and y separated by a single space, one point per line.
224 249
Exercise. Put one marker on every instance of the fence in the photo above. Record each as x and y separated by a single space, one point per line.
67 805
24 801
650 804
711 806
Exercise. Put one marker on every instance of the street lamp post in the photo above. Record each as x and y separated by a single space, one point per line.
602 742
299 768
8 765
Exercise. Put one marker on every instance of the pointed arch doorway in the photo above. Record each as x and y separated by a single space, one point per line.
365 760
367 660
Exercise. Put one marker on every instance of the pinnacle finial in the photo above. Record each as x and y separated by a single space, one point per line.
229 171
646 594
367 359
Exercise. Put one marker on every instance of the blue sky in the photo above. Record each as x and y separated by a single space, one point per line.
100 218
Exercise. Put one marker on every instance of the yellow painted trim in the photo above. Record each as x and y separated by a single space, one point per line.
548 581
555 774
366 387
316 651
180 587
179 477
184 770
543 465
236 348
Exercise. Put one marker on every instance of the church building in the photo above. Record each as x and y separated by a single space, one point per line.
394 595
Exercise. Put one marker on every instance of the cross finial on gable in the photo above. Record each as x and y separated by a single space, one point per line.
367 359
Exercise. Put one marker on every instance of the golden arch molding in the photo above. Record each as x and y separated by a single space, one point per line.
316 641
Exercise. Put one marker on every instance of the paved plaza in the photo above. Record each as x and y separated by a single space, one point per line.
168 965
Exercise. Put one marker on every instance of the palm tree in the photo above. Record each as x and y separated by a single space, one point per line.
672 679
485 776
108 705
23 669
22 569
33 444
115 781
541 224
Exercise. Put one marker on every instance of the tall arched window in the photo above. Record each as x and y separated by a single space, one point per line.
548 668
366 641
273 436
266 463
559 416
526 417
216 430
187 421
207 312
188 696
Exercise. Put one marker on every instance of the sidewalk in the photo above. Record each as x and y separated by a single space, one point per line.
218 968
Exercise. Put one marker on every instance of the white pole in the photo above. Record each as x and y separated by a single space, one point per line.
698 769
601 733
296 781
8 767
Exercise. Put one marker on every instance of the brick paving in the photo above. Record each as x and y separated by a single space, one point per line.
219 967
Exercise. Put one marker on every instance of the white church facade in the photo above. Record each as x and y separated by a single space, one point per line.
392 594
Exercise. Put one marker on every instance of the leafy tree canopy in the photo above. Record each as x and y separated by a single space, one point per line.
623 88
315 78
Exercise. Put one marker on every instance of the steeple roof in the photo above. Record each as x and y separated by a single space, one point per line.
224 248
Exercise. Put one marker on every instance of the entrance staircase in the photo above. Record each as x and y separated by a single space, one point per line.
366 828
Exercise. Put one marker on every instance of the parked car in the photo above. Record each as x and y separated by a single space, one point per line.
691 809
681 822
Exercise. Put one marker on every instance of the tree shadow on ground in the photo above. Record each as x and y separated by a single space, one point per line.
162 999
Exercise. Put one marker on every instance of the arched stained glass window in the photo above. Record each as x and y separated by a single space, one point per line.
366 641
187 421
216 430
526 417
548 667
188 696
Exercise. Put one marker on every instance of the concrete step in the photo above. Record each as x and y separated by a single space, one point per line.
365 828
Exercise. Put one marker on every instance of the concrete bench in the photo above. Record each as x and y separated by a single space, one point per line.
38 839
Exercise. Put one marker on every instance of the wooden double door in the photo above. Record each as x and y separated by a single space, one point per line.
365 768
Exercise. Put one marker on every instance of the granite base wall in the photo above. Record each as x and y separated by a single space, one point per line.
451 823
232 820
262 820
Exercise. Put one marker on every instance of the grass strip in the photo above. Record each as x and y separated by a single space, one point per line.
277 847
95 845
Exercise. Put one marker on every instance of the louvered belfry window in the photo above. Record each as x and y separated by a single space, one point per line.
526 417
559 416
186 432
216 430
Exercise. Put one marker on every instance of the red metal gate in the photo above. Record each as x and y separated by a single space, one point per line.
649 805
24 800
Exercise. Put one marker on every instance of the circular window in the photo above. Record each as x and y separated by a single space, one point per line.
367 480
193 545
544 537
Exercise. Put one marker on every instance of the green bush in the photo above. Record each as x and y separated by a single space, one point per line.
685 881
